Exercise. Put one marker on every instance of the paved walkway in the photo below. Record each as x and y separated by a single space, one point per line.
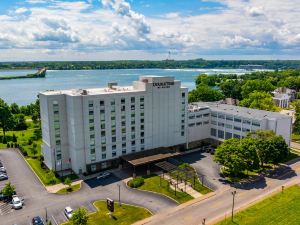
57 187
181 186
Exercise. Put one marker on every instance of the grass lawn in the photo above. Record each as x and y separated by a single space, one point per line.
282 208
296 137
152 183
74 188
124 215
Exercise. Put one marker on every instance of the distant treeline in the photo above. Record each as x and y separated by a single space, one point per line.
144 64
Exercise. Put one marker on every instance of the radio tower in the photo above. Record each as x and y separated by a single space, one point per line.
169 55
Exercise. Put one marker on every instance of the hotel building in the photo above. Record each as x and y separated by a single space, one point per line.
88 130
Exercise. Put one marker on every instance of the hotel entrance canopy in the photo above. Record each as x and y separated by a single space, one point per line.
149 156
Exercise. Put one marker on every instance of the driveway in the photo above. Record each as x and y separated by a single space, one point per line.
38 201
205 165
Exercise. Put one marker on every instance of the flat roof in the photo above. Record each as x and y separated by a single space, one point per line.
149 156
240 111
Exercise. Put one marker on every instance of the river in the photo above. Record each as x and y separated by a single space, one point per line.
25 91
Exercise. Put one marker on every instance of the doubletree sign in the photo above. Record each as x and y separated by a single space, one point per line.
110 205
166 84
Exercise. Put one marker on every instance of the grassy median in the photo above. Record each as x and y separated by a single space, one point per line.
123 215
282 208
68 190
152 183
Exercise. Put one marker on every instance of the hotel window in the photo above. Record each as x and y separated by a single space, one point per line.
192 117
183 94
124 130
113 132
114 154
228 135
91 120
182 127
92 128
182 133
206 115
142 127
142 120
114 147
55 112
221 116
124 138
102 125
102 117
214 122
122 100
132 143
142 148
93 168
230 118
103 148
132 115
191 125
132 129
214 114
132 122
132 149
228 126
142 141
58 156
91 112
123 151
132 136
123 108
132 107
123 145
182 121
113 139
199 123
199 116
92 150
245 121
92 136
142 114
102 133
142 134
112 102
91 104
142 99
57 142
206 122
221 124
101 103
123 117
132 99
213 132
142 106
103 140
123 123
237 119
256 123
182 115
246 130
103 156
237 128
221 134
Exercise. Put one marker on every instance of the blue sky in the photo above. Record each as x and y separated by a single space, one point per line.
149 29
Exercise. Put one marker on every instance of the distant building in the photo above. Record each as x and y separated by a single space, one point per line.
252 67
282 96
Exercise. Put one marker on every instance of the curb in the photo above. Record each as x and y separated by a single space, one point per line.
153 192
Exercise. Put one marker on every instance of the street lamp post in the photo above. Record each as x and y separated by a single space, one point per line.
233 196
119 194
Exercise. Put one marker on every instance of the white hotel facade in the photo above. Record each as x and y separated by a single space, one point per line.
88 130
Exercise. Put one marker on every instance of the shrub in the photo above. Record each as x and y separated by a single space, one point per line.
14 138
136 182
4 140
30 141
8 145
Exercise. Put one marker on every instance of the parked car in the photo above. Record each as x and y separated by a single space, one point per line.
2 169
68 212
3 176
103 175
37 221
16 202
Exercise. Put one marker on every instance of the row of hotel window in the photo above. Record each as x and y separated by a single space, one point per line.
193 116
183 108
235 119
224 135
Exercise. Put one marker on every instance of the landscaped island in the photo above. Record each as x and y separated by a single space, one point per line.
39 74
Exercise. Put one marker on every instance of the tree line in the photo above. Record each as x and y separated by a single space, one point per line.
251 90
150 64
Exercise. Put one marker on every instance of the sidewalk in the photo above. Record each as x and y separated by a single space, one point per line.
55 188
182 187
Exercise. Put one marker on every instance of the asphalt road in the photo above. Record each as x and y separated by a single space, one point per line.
205 166
219 205
37 199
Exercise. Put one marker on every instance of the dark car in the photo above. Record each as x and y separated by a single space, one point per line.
37 221
3 176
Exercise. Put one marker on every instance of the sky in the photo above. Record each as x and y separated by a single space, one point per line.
33 30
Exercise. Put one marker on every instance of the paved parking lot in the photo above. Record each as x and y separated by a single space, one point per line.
38 200
204 165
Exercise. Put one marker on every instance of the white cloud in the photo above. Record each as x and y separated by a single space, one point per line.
62 27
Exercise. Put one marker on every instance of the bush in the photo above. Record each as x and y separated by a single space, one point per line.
8 145
14 138
4 140
136 182
30 141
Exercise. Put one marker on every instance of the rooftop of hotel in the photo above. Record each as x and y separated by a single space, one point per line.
236 110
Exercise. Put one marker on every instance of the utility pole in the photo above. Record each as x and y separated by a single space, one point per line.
119 194
46 215
233 196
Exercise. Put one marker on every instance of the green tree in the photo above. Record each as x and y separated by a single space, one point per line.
229 155
248 150
259 100
14 138
79 217
68 182
14 108
8 190
256 85
20 122
204 79
205 93
6 117
231 89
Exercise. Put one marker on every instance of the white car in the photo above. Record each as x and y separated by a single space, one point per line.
17 203
68 212
2 169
